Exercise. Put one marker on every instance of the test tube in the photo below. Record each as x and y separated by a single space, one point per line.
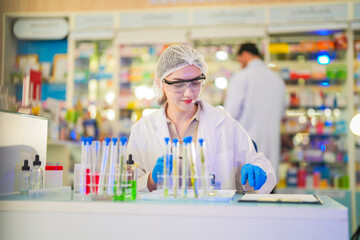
113 156
184 168
193 171
105 155
95 156
166 162
175 169
83 160
204 174
123 141
88 168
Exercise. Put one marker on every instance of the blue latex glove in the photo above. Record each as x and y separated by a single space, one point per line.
159 168
256 176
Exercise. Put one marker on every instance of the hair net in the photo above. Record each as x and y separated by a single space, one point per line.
174 58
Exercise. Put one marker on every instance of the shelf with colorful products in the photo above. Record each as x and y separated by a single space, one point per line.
316 137
357 162
44 69
136 74
314 129
315 82
313 176
357 102
322 121
310 60
45 58
94 66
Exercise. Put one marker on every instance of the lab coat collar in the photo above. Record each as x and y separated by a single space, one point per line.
210 113
158 121
255 63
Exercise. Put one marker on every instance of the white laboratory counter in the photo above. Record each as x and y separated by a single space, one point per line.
25 218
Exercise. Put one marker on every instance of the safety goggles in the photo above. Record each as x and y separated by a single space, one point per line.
181 85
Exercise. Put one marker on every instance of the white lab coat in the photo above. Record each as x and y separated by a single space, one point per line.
228 147
256 98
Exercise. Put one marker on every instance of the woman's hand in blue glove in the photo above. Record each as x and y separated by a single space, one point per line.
256 176
159 168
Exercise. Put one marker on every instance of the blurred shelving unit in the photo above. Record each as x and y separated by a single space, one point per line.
315 59
315 124
357 98
92 82
356 70
44 52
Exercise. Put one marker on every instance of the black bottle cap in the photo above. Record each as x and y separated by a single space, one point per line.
130 161
26 166
37 160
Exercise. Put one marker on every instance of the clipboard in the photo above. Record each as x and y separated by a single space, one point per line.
282 198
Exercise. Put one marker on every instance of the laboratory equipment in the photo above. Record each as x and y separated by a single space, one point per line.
104 160
113 157
187 174
88 166
85 179
193 168
204 172
184 168
83 160
36 174
175 170
131 172
166 167
24 178
122 149
187 170
77 178
53 176
95 150
22 136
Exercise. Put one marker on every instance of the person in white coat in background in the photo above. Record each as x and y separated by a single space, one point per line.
256 98
230 154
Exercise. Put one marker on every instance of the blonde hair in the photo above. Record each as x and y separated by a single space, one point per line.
162 100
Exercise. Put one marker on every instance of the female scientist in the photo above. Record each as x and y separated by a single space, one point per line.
230 154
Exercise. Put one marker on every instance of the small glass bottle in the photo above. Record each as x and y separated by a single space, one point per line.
131 172
24 178
36 175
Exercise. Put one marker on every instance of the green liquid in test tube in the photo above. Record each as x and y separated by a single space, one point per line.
166 161
204 175
184 168
120 191
175 166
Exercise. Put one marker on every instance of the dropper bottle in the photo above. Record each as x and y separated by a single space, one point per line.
36 174
24 178
132 171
